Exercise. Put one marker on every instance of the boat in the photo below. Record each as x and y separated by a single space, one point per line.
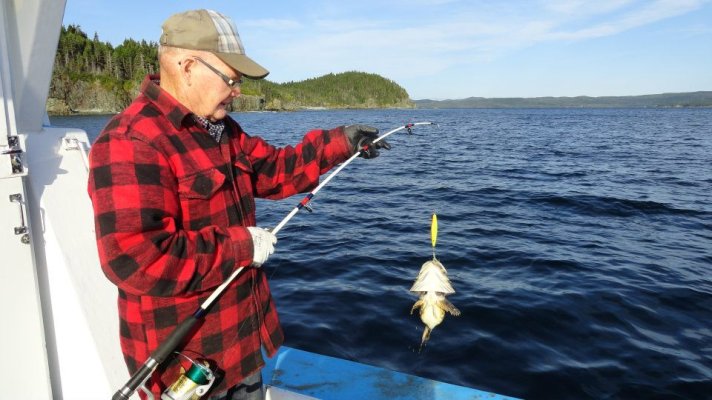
60 335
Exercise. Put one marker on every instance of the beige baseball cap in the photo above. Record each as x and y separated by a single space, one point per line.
208 30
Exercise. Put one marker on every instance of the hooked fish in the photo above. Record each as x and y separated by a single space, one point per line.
433 284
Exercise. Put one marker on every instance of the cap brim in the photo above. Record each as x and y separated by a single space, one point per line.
243 64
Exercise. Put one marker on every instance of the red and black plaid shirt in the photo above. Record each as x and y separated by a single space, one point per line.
171 206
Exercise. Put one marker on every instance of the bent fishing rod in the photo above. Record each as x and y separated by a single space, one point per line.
161 353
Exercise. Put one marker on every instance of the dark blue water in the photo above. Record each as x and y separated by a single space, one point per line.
579 243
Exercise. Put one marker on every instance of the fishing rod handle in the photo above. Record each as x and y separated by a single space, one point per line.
136 380
159 355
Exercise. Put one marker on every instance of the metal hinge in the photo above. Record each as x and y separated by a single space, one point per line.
14 151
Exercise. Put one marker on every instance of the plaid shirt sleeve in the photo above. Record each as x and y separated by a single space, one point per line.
282 172
144 249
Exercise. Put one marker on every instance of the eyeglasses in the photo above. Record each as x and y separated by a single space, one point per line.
233 83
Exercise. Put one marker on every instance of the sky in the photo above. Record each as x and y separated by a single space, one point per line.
453 49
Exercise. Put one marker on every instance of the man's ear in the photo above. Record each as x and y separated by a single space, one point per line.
185 68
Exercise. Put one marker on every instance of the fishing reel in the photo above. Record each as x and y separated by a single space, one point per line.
190 385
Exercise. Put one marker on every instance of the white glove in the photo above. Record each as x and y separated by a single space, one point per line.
263 242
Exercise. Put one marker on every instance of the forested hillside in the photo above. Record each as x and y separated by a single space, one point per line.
344 90
93 76
90 75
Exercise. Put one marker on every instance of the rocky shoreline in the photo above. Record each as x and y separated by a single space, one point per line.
242 103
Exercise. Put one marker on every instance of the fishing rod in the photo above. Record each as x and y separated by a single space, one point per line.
161 353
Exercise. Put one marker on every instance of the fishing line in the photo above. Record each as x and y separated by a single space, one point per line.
174 339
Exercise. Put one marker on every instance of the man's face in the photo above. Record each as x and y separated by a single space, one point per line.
212 90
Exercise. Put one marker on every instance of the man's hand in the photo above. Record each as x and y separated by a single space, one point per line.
364 135
263 242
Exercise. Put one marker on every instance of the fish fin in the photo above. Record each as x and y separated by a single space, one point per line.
417 304
449 307
426 336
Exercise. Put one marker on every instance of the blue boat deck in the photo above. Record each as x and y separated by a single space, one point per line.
326 377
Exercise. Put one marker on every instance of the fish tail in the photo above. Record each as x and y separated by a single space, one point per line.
426 336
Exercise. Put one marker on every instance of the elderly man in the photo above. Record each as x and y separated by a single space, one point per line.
173 180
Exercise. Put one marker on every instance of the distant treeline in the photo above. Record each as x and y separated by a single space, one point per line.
93 76
691 99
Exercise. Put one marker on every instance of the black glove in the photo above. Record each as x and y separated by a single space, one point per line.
364 135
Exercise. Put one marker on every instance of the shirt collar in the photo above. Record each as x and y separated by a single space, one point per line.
215 129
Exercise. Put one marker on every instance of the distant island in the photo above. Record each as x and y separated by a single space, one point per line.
664 100
343 90
91 76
